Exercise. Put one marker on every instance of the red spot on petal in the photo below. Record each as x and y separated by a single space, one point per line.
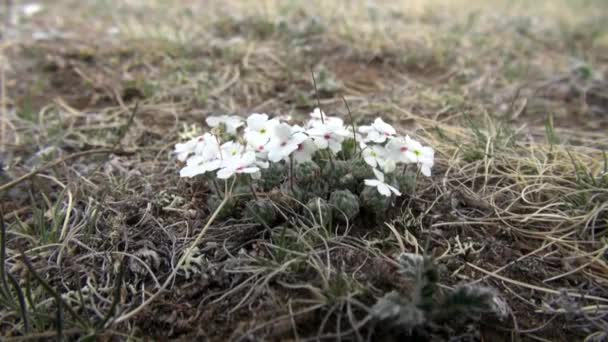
327 136
403 149
283 143
261 148
300 147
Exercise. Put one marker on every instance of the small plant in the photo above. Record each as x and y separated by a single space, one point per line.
320 210
424 308
322 164
346 203
263 211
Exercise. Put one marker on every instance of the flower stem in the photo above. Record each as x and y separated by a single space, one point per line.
216 186
331 160
291 172
414 190
416 180
352 123
250 183
314 83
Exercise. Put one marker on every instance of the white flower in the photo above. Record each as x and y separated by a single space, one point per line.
407 150
421 155
306 149
198 165
243 163
208 146
231 150
206 157
184 150
259 129
378 132
283 142
374 155
330 134
318 117
261 155
231 123
397 149
383 188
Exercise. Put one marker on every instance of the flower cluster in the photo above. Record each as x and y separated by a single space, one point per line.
239 146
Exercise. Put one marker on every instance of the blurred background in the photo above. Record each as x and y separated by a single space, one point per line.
517 60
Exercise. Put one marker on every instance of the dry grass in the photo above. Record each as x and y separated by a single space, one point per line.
512 96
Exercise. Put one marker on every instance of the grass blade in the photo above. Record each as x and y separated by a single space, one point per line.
4 290
116 298
52 291
21 299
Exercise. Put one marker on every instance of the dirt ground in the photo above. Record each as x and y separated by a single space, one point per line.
513 96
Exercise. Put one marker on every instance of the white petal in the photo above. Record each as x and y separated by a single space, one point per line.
316 113
182 156
412 144
195 160
191 171
426 170
212 165
318 131
321 143
282 132
256 121
379 175
251 169
384 190
213 121
290 147
373 136
248 158
275 155
410 157
371 182
335 146
394 190
256 139
428 152
301 157
225 173
388 166
370 160
365 129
